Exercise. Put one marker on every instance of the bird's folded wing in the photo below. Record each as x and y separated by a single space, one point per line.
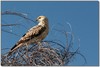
32 33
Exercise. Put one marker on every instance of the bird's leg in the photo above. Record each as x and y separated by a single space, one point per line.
39 45
27 50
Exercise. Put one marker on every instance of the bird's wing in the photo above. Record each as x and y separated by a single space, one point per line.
32 33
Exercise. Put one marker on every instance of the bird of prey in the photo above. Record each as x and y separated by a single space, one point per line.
34 35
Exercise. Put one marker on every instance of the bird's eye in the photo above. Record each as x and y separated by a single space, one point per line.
39 17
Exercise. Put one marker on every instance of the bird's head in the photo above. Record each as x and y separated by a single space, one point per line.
41 18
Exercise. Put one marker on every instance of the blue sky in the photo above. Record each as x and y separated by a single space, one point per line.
83 17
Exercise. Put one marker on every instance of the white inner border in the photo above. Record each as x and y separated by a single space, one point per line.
49 0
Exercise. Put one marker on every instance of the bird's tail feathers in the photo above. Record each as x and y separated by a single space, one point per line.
13 47
11 50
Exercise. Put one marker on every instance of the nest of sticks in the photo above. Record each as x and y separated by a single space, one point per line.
41 55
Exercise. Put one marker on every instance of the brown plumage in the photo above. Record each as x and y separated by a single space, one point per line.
34 35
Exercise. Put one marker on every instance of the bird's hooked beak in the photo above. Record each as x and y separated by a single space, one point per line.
36 20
